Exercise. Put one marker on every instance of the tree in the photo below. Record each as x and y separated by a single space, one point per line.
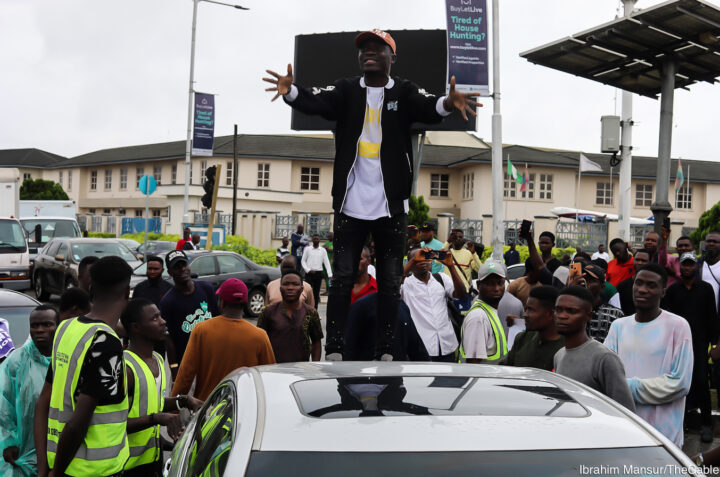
709 221
418 211
40 189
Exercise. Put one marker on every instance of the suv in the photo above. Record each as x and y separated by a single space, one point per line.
216 266
56 265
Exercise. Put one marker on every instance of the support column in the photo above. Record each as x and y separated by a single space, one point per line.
498 238
661 207
625 182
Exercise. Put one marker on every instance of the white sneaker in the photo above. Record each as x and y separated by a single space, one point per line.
336 357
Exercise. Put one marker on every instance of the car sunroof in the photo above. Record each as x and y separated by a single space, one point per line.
433 396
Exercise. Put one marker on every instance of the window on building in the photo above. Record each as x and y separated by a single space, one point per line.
91 211
546 187
263 178
123 178
108 179
69 187
203 168
309 178
93 180
510 188
157 174
107 211
229 173
439 185
27 176
173 174
468 186
157 212
139 172
603 193
121 212
60 178
530 192
643 195
684 198
139 212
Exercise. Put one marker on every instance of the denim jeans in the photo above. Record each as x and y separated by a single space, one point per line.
350 236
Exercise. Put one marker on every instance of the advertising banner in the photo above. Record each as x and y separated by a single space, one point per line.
203 125
467 45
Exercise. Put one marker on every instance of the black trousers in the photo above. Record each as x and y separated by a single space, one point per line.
315 278
350 236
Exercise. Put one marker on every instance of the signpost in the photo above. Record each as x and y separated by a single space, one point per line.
147 185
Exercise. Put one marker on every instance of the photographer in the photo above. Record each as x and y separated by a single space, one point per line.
466 259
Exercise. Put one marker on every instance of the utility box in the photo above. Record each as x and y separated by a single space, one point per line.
610 134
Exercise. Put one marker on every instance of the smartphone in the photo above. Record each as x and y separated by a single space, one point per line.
666 223
440 254
525 227
575 269
430 254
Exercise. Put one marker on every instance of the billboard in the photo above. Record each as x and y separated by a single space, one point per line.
320 59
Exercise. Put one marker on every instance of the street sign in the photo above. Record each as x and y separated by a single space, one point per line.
147 184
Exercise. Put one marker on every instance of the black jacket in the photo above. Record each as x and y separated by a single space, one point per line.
344 102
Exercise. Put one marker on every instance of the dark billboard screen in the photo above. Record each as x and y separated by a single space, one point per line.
320 59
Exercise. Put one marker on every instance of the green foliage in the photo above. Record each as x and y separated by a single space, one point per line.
140 237
709 221
524 254
101 235
40 189
419 211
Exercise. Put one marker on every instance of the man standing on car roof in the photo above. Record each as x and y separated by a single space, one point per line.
373 116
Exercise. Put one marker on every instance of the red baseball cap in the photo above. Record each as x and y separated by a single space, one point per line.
378 35
233 291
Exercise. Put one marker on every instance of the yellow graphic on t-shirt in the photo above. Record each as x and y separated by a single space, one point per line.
370 150
372 115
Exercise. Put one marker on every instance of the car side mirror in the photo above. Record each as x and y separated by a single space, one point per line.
38 233
60 258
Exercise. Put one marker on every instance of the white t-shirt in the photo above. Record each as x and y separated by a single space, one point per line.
429 312
714 281
478 338
604 255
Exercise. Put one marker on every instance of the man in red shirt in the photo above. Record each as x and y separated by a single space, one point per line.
180 245
365 284
621 267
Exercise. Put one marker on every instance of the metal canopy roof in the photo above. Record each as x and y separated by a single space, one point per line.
628 53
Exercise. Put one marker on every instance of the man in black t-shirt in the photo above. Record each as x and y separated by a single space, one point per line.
154 288
546 242
186 304
101 379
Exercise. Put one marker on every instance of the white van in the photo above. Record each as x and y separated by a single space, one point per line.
14 255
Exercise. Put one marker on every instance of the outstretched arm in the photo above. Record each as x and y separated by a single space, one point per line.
281 84
461 101
321 101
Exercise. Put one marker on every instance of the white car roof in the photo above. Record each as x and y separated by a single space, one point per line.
587 420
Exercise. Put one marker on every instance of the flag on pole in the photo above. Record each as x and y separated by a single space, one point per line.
586 165
679 177
513 172
526 180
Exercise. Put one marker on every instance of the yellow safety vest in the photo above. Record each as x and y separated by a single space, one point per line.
145 444
215 438
498 332
104 449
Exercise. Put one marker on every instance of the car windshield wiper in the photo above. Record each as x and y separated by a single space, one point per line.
16 247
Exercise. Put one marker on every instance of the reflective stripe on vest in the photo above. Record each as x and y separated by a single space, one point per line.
104 449
145 444
498 332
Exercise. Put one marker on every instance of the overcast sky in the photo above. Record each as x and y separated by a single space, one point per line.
83 75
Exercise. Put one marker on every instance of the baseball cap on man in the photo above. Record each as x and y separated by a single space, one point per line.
491 267
427 226
378 35
688 256
174 257
233 291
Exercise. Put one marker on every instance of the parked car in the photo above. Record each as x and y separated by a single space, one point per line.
130 243
360 418
515 271
15 307
57 263
155 247
216 266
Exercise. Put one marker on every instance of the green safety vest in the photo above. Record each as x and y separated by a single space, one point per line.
145 444
498 332
104 449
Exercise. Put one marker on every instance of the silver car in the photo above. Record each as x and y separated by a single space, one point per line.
406 419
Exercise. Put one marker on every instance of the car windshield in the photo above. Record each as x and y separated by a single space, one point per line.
622 461
142 271
18 322
51 228
12 238
101 249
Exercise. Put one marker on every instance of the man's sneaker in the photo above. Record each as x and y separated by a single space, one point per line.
706 434
333 357
386 357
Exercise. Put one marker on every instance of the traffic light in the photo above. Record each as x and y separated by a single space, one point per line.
209 186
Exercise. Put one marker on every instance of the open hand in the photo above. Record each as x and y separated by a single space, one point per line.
282 83
461 101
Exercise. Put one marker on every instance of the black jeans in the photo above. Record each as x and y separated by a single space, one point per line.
350 237
315 278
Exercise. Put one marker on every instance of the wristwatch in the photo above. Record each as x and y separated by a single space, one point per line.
699 461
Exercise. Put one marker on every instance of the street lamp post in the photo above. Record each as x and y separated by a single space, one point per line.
191 91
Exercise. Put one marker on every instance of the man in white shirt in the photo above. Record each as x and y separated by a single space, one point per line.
601 253
483 336
426 296
313 260
282 251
